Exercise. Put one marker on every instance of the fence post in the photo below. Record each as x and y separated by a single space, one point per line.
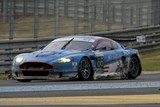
94 11
46 8
137 13
152 13
66 8
5 10
75 16
1 6
113 14
14 4
131 17
158 11
139 17
155 12
86 10
123 12
86 16
139 4
36 24
56 17
24 7
148 12
91 17
11 19
105 10
54 7
109 15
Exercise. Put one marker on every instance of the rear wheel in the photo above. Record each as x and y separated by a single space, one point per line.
134 68
24 80
84 69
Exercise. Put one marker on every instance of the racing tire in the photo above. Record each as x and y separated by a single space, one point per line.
24 80
134 68
84 70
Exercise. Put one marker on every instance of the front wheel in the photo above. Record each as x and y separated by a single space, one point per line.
24 80
134 68
84 69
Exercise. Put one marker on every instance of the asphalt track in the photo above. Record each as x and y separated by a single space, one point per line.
141 92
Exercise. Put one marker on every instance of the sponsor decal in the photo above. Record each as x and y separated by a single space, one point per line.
109 57
106 68
100 60
74 64
119 67
99 54
101 71
100 64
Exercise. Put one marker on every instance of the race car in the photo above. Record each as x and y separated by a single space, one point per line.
82 57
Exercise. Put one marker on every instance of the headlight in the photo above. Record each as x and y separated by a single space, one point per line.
64 60
19 59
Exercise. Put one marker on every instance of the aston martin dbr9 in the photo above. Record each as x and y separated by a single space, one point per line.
81 57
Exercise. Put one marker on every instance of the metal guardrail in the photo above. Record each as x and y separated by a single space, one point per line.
9 49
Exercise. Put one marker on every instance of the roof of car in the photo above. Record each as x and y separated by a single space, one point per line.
82 38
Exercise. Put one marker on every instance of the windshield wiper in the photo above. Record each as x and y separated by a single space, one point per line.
67 43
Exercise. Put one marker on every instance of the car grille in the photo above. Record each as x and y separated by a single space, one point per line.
35 68
35 73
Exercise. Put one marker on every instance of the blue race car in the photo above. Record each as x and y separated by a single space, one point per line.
83 57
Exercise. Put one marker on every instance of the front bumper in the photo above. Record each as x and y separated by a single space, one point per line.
35 71
20 75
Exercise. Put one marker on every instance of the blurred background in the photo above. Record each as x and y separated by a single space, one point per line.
48 18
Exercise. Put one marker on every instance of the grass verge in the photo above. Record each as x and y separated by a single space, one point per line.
4 76
151 61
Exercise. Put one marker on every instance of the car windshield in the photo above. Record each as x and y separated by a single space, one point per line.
73 45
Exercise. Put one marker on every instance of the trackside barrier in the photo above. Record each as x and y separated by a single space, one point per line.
10 48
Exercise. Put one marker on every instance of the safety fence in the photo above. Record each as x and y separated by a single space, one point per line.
49 18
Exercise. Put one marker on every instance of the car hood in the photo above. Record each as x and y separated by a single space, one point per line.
48 56
58 53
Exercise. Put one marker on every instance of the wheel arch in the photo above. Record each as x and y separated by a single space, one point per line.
140 70
123 58
92 70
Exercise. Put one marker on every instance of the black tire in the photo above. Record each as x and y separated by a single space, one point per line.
134 68
84 70
24 80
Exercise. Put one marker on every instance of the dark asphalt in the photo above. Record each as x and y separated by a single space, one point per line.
82 93
143 78
99 92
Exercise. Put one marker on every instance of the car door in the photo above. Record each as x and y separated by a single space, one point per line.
105 56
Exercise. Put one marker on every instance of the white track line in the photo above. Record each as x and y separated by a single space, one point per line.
73 87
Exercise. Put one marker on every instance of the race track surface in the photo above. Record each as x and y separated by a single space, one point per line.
141 92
